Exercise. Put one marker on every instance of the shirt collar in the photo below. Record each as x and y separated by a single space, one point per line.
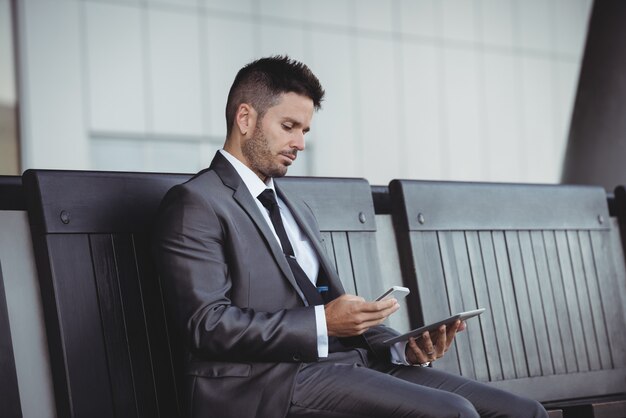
254 184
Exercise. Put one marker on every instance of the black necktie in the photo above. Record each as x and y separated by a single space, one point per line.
268 199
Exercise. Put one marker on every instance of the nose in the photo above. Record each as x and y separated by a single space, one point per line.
298 142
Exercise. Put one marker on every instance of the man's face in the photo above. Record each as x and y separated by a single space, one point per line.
278 136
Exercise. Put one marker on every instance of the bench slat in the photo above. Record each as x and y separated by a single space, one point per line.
491 299
94 202
10 399
612 296
582 281
571 301
157 332
545 297
115 322
620 209
486 357
339 204
135 323
600 355
559 388
510 312
83 361
365 264
342 261
454 206
327 241
425 245
452 279
563 334
540 359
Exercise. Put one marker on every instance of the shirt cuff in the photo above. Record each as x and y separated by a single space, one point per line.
322 331
398 355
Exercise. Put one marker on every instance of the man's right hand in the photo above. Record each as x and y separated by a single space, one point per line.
351 315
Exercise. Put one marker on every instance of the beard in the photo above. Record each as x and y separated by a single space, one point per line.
260 157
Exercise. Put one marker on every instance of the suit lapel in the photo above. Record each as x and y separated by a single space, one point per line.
243 197
312 236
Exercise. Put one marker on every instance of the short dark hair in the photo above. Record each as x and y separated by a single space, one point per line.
261 82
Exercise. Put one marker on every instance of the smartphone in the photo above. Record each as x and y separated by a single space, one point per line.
396 292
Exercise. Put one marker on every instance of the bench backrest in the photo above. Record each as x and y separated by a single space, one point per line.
345 213
620 209
10 199
10 399
105 318
545 261
11 193
105 323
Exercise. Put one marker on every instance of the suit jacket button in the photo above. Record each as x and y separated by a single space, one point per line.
296 357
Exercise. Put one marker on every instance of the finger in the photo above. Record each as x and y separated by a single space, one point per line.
365 320
427 346
377 317
352 298
462 327
368 320
380 305
441 343
380 313
415 354
451 333
426 343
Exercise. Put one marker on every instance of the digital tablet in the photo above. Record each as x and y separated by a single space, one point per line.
431 327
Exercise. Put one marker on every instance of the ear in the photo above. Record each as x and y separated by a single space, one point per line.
245 119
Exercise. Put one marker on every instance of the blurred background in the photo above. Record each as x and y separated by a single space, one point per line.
425 89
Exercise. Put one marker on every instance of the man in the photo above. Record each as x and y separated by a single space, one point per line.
241 264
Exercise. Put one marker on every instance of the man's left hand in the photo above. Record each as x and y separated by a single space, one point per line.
432 346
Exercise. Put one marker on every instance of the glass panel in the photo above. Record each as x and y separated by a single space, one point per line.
117 154
171 155
9 150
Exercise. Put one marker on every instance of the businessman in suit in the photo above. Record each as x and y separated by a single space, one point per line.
266 327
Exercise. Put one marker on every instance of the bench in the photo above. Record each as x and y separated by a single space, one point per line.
10 200
11 193
547 264
107 334
10 399
109 346
619 211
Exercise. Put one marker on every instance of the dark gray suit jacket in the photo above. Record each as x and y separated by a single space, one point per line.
232 300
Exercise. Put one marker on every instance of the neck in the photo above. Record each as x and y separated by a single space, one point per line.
236 152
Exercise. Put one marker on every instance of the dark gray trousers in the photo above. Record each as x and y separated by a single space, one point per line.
348 385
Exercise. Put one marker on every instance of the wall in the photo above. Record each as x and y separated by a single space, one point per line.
454 89
597 140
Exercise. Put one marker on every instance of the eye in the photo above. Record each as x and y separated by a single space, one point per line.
287 126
